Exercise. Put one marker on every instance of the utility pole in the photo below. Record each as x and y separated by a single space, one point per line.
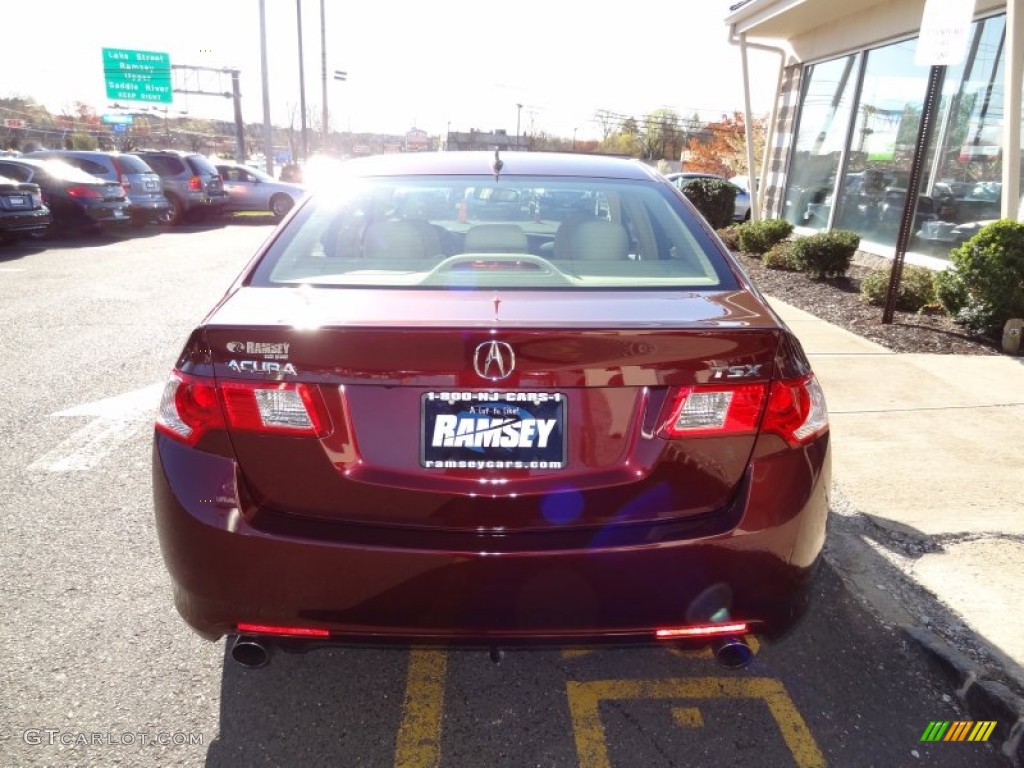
302 81
236 95
323 71
268 140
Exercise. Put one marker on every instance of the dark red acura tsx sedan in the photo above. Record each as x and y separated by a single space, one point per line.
432 409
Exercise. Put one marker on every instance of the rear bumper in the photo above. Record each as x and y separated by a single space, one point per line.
150 210
24 221
225 570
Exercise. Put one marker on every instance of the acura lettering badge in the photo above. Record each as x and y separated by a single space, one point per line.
494 360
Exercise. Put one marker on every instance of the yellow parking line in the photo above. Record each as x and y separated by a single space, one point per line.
419 737
585 699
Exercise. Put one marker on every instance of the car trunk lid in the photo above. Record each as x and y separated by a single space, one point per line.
444 397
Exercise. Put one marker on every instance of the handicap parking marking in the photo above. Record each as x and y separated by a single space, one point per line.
700 654
585 699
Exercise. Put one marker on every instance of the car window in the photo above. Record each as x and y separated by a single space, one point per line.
201 165
133 164
87 165
165 165
19 172
58 169
229 173
450 232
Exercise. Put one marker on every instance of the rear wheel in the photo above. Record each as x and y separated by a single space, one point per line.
280 205
176 214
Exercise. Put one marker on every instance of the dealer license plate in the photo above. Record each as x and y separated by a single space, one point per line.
492 430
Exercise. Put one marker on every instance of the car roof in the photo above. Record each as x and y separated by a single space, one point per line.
513 164
34 162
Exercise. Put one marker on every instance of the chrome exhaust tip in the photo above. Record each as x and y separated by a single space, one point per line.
250 652
732 652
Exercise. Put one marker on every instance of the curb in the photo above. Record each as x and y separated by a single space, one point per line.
983 699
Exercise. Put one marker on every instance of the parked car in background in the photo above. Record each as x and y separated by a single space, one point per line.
77 200
394 428
743 197
22 211
742 202
250 189
190 182
146 199
681 179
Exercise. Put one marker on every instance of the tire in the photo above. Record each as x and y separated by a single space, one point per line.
176 214
280 205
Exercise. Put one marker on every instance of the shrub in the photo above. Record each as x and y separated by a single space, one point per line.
917 288
730 237
758 237
825 254
714 198
779 256
985 285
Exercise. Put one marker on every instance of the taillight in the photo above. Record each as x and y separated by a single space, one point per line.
794 409
195 184
81 190
189 408
702 630
284 631
720 410
285 408
192 406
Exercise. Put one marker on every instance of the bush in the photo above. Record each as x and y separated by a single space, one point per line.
917 288
985 285
714 198
780 256
825 254
758 237
730 237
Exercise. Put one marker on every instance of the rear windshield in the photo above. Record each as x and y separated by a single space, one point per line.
517 232
133 164
201 165
165 165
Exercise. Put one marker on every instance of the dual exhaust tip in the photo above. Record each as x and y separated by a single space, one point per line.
254 652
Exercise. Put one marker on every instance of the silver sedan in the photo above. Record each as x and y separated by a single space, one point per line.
250 189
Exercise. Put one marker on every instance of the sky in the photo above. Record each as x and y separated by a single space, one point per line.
433 66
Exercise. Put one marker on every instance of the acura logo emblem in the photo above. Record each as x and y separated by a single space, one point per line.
494 360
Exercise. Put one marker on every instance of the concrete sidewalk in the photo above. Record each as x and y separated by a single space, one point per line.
928 453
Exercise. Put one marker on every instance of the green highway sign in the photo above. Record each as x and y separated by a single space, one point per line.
137 75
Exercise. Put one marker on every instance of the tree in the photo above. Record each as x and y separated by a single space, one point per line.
721 147
661 137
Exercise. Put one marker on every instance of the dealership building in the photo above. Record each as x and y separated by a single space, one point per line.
857 81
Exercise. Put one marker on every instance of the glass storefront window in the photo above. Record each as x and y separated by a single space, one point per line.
821 136
887 118
967 165
868 134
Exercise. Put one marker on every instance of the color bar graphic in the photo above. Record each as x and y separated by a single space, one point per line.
959 730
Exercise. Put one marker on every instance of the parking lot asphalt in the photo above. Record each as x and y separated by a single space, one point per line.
928 514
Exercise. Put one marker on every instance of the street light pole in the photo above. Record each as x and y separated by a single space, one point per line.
519 111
